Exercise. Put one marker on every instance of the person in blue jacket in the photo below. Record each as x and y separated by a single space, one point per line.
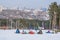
48 31
17 31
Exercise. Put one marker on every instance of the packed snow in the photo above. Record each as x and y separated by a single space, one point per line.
11 35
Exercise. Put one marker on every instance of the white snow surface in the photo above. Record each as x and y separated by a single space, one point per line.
11 35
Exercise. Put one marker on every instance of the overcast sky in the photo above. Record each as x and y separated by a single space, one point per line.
27 3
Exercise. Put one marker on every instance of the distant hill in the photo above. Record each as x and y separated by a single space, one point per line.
26 14
44 9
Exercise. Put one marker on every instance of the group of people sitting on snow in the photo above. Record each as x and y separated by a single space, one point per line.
32 32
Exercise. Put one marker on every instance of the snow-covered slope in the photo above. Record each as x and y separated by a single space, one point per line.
11 35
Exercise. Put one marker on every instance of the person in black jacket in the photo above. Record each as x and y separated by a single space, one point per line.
40 32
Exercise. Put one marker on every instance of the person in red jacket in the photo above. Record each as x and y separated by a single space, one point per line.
31 32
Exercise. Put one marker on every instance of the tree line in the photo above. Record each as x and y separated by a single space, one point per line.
54 12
